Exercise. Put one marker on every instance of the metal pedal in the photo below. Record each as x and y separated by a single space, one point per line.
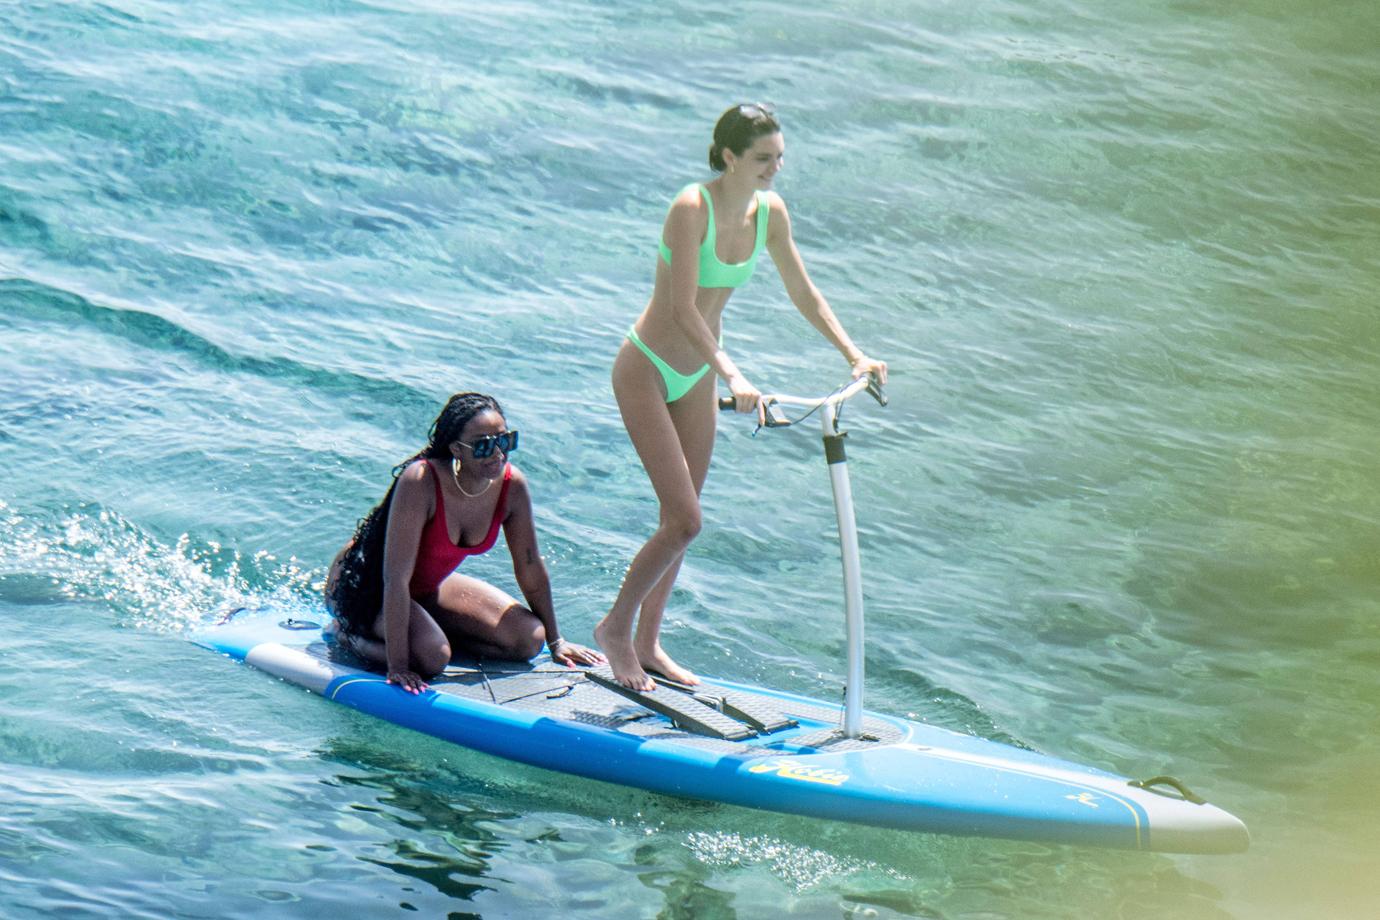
685 711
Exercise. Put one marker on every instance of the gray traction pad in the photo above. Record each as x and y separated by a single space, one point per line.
682 709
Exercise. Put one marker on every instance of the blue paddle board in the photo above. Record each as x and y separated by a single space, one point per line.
743 745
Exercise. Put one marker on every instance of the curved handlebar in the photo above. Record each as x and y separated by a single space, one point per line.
776 419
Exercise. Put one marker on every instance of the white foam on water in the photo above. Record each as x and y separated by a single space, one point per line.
95 554
800 867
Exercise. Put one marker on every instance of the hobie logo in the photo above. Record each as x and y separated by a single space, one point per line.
794 769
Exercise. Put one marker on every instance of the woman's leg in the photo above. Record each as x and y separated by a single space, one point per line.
465 613
483 621
428 646
695 418
642 403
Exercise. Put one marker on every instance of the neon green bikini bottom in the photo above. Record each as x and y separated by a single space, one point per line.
677 384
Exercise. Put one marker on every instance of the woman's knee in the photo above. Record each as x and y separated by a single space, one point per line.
682 525
522 638
431 659
530 645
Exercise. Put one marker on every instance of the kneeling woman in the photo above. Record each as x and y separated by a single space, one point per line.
398 599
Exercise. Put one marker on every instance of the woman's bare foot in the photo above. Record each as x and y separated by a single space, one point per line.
655 659
622 659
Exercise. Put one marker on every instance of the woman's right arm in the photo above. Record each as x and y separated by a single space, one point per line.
407 516
686 224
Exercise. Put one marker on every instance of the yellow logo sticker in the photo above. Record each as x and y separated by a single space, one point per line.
794 769
1084 798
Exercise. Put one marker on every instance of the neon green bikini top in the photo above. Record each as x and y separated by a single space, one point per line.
716 274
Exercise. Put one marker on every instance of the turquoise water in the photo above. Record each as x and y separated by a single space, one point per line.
1123 506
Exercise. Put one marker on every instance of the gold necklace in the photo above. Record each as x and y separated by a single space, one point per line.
455 474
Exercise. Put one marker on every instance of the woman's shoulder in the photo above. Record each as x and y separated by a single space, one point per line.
778 219
691 199
412 481
517 496
416 470
689 206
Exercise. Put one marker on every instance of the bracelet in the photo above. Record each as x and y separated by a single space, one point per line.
556 644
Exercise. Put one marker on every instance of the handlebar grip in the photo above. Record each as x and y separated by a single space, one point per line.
774 417
874 388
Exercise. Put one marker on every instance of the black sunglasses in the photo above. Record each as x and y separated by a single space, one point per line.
483 447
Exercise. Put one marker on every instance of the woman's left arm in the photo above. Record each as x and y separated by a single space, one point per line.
806 297
529 570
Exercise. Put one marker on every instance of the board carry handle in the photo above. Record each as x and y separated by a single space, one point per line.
1149 786
296 624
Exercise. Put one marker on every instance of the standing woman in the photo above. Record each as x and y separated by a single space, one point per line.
399 601
710 243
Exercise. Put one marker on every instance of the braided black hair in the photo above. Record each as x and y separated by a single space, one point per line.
357 594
